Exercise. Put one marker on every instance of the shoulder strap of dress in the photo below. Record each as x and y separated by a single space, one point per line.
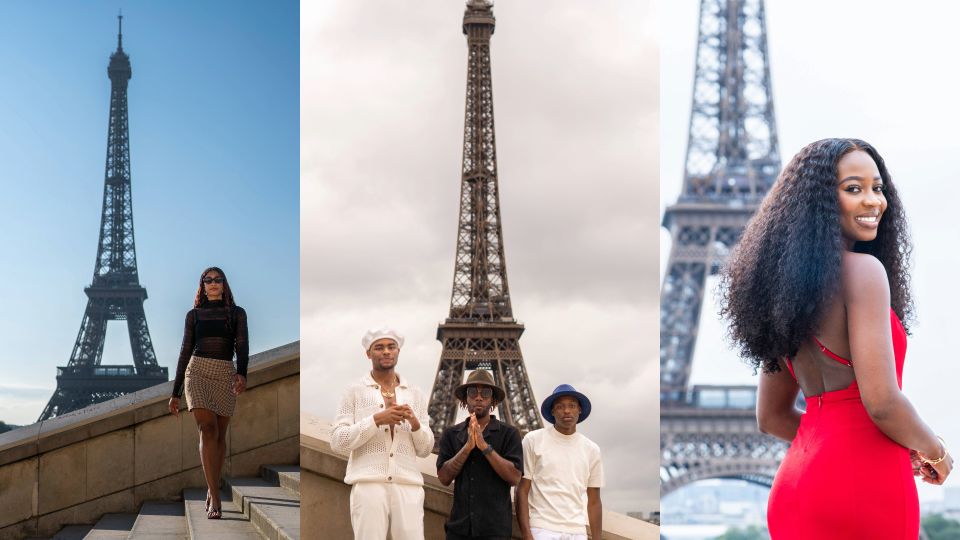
790 367
830 353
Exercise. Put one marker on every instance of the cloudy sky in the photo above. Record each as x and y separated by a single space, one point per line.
871 70
214 122
575 93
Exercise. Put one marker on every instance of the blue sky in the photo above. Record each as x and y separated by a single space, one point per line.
214 131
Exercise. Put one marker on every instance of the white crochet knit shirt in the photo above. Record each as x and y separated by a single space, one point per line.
374 457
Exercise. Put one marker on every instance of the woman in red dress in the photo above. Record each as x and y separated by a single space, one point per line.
817 295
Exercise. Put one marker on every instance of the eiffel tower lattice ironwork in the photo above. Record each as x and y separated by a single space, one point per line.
481 332
732 160
115 293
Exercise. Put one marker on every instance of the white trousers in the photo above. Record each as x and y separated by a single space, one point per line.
377 507
543 534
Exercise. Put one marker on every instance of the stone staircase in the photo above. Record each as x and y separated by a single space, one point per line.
254 508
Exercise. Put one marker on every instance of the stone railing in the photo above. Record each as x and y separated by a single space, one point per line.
113 456
325 499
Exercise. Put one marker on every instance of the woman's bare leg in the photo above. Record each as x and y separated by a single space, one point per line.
222 423
209 452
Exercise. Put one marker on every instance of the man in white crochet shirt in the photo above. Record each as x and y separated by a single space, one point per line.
382 425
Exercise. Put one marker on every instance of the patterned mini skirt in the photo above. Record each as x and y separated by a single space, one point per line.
208 384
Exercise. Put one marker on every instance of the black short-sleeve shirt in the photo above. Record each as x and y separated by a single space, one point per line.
481 499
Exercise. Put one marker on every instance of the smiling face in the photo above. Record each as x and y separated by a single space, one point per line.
384 353
860 193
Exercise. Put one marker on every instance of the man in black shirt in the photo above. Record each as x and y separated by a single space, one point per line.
485 457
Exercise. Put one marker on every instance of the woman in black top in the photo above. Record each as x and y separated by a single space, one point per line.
215 328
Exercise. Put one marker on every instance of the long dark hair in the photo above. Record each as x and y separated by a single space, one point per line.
201 299
786 267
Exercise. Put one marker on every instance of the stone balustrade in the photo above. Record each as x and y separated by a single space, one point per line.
113 456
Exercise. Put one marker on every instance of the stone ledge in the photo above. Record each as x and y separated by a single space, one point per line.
130 409
113 456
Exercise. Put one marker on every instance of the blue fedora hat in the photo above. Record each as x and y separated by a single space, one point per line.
546 409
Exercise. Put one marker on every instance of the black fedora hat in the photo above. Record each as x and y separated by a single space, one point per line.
480 376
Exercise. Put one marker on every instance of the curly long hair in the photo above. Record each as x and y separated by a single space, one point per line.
201 299
786 267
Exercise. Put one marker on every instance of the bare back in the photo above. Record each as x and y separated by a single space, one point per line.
851 321
816 371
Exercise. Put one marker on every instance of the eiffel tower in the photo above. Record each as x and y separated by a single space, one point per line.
480 332
115 293
732 161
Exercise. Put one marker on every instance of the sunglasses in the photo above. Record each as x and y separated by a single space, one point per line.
209 280
486 392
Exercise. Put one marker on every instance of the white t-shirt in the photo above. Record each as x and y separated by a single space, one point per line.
560 468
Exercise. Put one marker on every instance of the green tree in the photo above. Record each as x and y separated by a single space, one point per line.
753 532
4 427
938 527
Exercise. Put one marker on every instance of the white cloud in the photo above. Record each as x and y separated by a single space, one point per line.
576 111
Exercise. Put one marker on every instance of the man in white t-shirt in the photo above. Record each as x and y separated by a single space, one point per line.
560 467
382 424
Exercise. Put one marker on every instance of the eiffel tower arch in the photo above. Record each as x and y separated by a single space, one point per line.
732 160
481 331
115 293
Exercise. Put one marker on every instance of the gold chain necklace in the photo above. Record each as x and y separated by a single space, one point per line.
390 393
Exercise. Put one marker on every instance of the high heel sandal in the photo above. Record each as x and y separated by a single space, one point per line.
215 512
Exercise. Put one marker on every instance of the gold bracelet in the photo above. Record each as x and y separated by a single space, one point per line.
935 461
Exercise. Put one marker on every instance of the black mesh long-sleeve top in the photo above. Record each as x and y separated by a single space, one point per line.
213 331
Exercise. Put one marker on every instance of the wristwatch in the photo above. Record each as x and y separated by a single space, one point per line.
487 450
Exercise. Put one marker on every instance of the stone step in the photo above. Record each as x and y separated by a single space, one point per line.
232 526
274 510
111 526
160 520
253 508
72 532
286 476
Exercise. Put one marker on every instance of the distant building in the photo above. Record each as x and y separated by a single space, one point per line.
951 499
653 517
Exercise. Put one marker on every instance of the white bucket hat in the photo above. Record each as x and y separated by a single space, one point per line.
381 333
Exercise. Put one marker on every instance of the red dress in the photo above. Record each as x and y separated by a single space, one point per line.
842 477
